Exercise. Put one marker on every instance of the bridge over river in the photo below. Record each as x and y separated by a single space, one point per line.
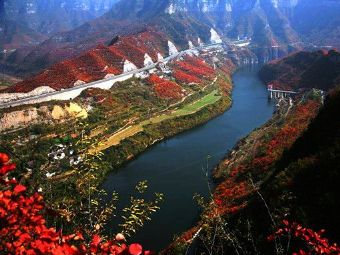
277 93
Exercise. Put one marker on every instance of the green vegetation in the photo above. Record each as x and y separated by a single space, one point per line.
122 123
211 98
166 125
4 84
188 109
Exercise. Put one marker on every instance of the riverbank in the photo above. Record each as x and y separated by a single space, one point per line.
174 162
241 174
215 101
174 166
131 142
189 109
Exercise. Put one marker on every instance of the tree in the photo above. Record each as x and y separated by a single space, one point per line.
305 241
23 228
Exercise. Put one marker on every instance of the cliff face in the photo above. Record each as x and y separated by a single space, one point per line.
232 19
262 20
49 17
269 21
178 29
42 114
24 24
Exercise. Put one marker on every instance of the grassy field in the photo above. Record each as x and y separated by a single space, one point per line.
188 109
203 102
121 135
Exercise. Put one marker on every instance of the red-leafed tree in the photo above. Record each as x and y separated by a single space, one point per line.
305 240
23 228
184 77
165 88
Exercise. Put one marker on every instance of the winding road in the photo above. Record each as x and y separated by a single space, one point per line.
27 100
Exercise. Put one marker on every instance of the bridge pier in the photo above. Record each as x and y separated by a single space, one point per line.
290 101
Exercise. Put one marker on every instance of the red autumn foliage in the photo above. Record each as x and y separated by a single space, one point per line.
165 88
97 63
184 77
304 69
237 170
228 194
23 228
192 70
3 158
310 242
287 135
231 194
196 67
135 249
184 238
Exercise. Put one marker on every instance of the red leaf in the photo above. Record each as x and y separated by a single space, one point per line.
135 249
19 189
95 240
7 168
4 158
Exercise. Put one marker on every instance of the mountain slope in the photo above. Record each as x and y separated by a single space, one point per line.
318 22
320 69
102 30
270 24
134 15
14 35
313 161
111 60
50 17
284 174
25 24
303 189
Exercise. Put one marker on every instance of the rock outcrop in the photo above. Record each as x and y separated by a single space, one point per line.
37 115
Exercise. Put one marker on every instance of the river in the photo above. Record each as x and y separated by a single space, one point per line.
174 167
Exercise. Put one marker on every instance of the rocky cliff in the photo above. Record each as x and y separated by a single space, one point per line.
40 114
49 17
25 24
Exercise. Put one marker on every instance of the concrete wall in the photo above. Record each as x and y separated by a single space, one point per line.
71 93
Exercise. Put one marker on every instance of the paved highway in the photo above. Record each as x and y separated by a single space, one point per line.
92 84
